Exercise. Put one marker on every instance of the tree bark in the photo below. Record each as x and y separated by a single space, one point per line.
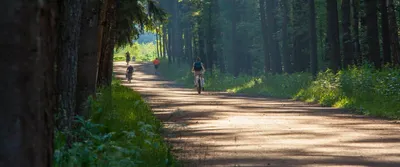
276 64
346 39
373 33
29 33
356 24
104 78
67 61
385 31
267 67
333 36
393 33
313 41
285 38
236 56
87 60
301 39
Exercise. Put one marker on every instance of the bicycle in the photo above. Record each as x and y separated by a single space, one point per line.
199 83
129 77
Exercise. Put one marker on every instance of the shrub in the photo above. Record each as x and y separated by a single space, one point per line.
125 134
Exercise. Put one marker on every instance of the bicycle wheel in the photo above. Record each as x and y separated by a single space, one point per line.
199 86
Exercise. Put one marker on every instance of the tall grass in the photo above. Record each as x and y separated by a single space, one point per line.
122 133
363 89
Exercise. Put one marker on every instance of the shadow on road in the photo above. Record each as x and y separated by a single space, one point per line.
222 129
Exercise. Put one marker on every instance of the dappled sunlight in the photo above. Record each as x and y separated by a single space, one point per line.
222 129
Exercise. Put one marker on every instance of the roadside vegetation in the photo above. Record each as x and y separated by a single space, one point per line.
122 133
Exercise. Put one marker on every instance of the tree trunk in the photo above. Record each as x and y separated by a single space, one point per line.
236 55
313 41
385 32
210 38
87 60
67 61
285 38
264 29
28 48
346 39
164 38
301 35
157 44
333 36
373 33
104 78
393 33
356 39
276 65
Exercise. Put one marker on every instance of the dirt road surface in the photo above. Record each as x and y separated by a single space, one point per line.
220 129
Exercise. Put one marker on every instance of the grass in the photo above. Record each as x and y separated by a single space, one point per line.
362 89
122 133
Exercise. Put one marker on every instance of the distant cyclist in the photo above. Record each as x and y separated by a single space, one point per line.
127 58
198 69
129 73
156 63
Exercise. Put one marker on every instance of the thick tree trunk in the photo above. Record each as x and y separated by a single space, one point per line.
285 38
346 39
373 33
301 44
385 31
107 48
87 60
236 54
394 33
267 66
28 49
356 39
67 61
313 41
276 64
210 39
333 36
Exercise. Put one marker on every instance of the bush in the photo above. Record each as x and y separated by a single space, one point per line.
124 133
363 89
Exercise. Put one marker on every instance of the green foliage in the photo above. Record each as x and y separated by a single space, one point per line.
136 16
362 89
142 52
127 134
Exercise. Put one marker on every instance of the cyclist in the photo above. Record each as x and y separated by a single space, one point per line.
129 72
127 58
156 63
198 69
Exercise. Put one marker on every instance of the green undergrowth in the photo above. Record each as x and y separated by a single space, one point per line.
142 52
124 133
362 89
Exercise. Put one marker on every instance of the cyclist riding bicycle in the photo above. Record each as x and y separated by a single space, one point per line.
156 62
129 72
198 70
127 58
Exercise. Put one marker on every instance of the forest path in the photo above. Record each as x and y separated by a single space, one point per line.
221 129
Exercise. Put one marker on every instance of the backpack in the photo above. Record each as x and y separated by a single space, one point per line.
130 69
197 66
